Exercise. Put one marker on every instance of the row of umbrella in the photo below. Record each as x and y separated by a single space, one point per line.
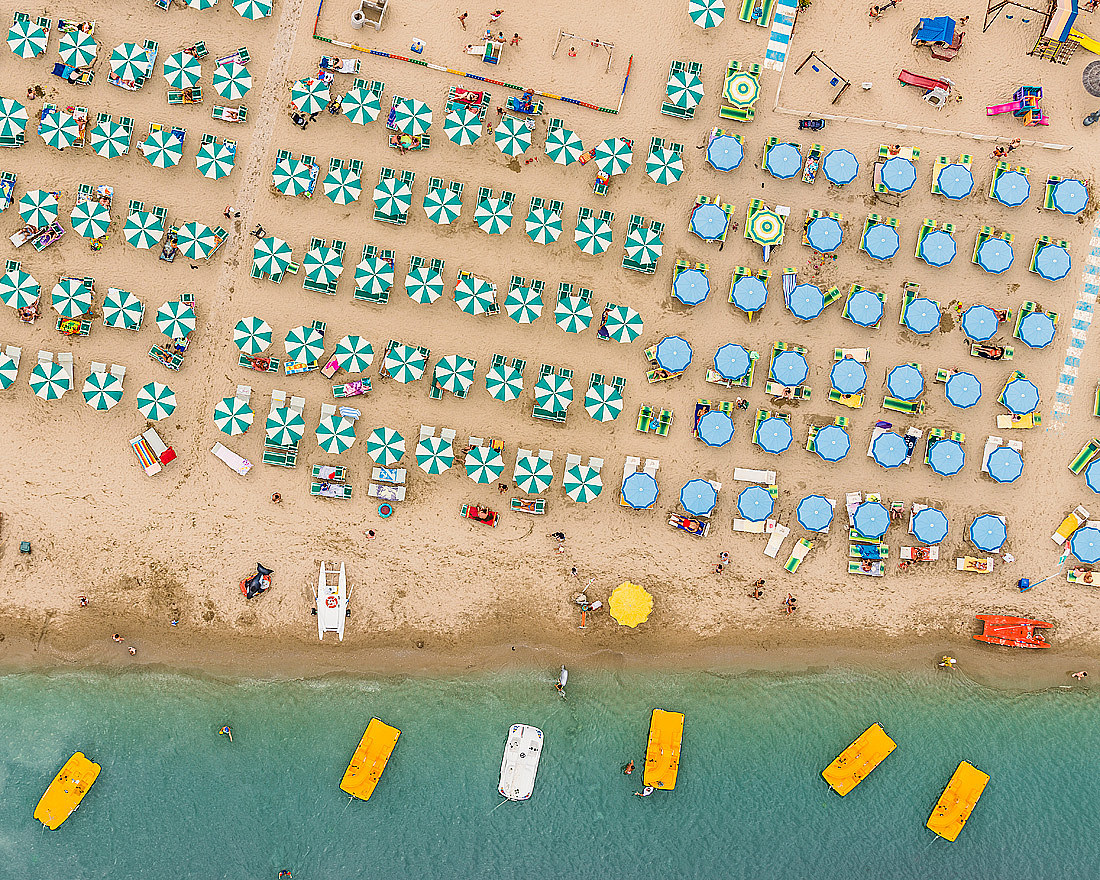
988 532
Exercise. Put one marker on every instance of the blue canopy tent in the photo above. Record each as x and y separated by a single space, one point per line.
832 443
806 301
938 248
988 533
814 513
789 368
980 323
929 526
1085 544
824 234
865 308
1092 476
905 382
783 161
691 287
995 255
1070 196
724 152
699 497
889 450
1011 189
673 354
1020 397
871 519
715 428
749 293
848 376
955 181
935 30
1005 464
898 174
1037 330
732 361
946 457
755 503
1052 262
840 167
922 315
881 241
640 490
963 390
774 435
709 222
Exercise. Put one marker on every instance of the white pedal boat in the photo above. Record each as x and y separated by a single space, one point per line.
521 762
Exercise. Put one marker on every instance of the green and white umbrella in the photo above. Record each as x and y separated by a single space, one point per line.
182 70
707 13
18 289
77 49
102 391
122 309
623 324
563 146
252 10
512 136
162 148
462 126
8 372
343 186
176 319
355 354
59 130
592 235
27 39
309 95
493 215
475 296
291 177
543 226
582 483
156 401
504 382
434 455
442 206
360 105
323 265
424 285
664 166
766 227
643 244
454 373
252 335
215 161
143 229
385 447
374 276
109 139
196 240
202 4
404 363
49 381
284 427
233 416
38 208
129 61
70 298
411 116
553 392
90 219
613 156
335 434
741 89
484 464
304 344
532 474
603 402
523 304
684 89
13 118
572 314
393 197
271 255
232 81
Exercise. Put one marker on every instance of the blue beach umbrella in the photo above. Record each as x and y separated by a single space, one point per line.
774 435
1052 262
929 526
1037 330
814 513
988 533
946 457
824 234
832 443
865 308
871 519
922 315
789 368
889 450
724 153
755 503
980 323
783 161
1020 397
1070 196
848 376
749 293
699 497
905 382
640 490
691 287
1092 476
881 241
963 390
1005 464
938 248
715 428
1011 189
840 167
709 221
955 181
806 301
995 255
1085 545
732 361
673 354
898 174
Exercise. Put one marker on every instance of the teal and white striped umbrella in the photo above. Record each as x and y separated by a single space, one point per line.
707 13
196 240
411 116
484 464
684 89
504 382
543 226
664 166
271 255
292 177
18 289
109 139
613 156
215 161
252 335
455 373
202 4
360 105
233 416
512 136
232 81
475 296
563 146
13 118
523 304
59 130
393 197
572 314
284 427
643 244
182 70
143 229
532 474
553 392
309 95
304 344
592 235
176 319
335 434
434 455
122 309
129 61
162 148
71 299
623 324
462 126
77 48
27 39
156 401
102 391
442 206
385 447
252 10
493 215
38 207
354 353
404 363
424 285
582 483
90 219
603 402
9 370
323 265
49 381
343 186
374 276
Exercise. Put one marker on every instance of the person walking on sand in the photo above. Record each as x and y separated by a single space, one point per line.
1080 675
515 39
462 19
493 16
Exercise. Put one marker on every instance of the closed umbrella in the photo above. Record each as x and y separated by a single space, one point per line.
955 181
824 234
77 48
1070 196
922 315
572 314
592 235
475 296
196 240
463 126
814 513
442 206
162 149
1020 396
640 490
871 519
523 304
848 376
755 504
840 167
512 136
582 483
304 344
109 139
881 241
946 457
613 156
454 373
963 390
102 391
49 381
176 319
774 435
563 146
292 177
715 428
18 289
630 604
335 434
664 166
1037 330
889 449
233 416
434 455
532 474
1011 189
622 324
938 248
732 361
995 255
673 353
59 130
143 229
553 392
929 526
182 70
122 309
252 10
252 335
156 401
271 255
343 186
832 443
323 265
725 152
27 39
424 285
1005 464
404 363
374 276
980 323
385 446
905 382
765 227
684 89
543 226
1084 544
789 368
309 95
90 219
604 403
71 298
749 293
644 245
1052 262
864 308
783 161
806 301
484 464
493 216
215 161
411 117
699 497
504 382
233 81
707 13
284 427
898 174
691 286
354 353
988 533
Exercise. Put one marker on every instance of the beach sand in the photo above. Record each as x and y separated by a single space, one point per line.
148 550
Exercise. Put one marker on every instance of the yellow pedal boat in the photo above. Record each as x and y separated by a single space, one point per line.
957 801
662 754
66 791
853 764
370 759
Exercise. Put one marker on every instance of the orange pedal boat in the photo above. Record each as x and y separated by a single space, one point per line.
1015 632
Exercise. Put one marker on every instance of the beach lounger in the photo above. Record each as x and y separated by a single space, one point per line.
974 564
235 462
779 535
146 457
534 506
804 546
324 489
386 493
869 567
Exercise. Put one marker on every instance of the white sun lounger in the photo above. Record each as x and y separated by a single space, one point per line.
297 405
235 462
750 527
328 409
651 466
546 454
851 501
388 475
595 463
779 535
572 460
15 353
476 442
278 399
118 371
65 359
427 431
991 444
750 475
96 367
448 434
386 493
244 393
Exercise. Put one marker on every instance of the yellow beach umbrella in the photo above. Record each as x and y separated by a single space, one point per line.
630 604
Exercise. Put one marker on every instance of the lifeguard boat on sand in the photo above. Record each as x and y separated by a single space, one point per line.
1015 632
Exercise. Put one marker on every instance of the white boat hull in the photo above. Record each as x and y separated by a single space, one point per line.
521 762
332 603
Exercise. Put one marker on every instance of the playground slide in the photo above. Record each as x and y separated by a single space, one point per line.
1085 42
924 82
1004 108
1061 20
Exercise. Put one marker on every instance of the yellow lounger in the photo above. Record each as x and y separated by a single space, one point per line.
957 801
662 754
370 759
853 764
66 791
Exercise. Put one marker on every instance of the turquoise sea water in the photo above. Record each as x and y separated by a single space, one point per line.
175 800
